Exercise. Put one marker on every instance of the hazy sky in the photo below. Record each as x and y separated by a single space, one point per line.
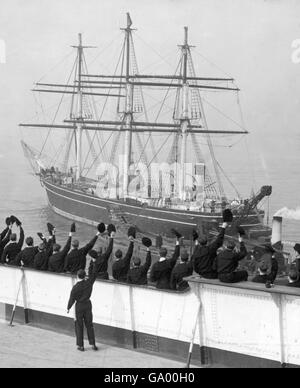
250 40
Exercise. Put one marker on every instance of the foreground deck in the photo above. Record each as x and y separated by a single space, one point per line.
241 325
23 346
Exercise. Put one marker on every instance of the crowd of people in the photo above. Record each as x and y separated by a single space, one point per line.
217 259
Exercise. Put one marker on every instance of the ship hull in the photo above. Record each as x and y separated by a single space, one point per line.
90 209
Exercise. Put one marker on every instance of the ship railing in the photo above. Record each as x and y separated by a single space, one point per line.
246 322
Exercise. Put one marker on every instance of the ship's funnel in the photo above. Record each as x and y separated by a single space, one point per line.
276 230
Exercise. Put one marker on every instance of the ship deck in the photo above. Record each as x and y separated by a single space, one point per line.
52 350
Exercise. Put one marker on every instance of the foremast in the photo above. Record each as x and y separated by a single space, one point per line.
186 83
79 111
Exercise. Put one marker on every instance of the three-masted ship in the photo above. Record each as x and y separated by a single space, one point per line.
131 179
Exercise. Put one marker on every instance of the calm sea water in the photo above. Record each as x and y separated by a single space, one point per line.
22 194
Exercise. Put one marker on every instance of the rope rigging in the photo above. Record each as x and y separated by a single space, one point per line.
195 116
102 112
58 109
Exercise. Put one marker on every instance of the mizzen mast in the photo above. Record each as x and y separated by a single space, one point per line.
128 114
79 115
185 120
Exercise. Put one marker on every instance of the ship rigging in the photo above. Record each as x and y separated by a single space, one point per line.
187 186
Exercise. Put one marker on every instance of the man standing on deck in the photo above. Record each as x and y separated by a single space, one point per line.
12 250
162 270
76 259
204 256
81 294
228 262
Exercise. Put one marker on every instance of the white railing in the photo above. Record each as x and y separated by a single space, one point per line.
246 318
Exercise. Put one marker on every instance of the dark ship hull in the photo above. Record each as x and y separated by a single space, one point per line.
87 208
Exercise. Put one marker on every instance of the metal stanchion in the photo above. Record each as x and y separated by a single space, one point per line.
134 333
26 311
17 299
193 336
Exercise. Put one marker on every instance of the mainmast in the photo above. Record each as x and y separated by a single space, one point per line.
128 114
186 82
185 121
79 115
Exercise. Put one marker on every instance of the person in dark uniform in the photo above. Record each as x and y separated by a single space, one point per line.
297 258
262 276
228 262
183 269
204 256
76 259
26 257
12 250
101 260
81 294
267 267
45 250
6 230
56 262
93 255
5 238
138 274
293 278
162 270
121 265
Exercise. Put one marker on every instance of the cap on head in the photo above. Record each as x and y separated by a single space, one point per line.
203 240
13 237
81 274
230 245
56 247
184 255
118 254
163 252
29 241
293 275
75 244
136 261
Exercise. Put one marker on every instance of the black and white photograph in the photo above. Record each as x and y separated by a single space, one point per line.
149 186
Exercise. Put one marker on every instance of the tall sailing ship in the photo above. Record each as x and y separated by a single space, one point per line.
121 171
